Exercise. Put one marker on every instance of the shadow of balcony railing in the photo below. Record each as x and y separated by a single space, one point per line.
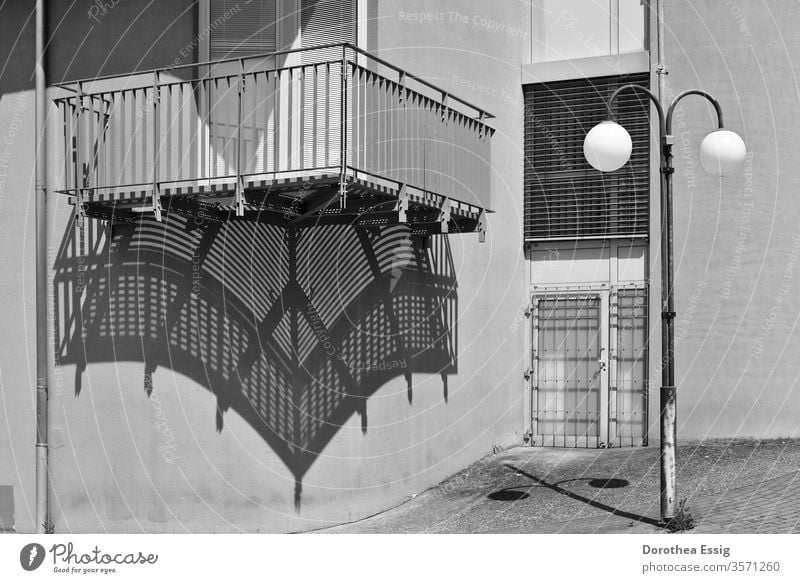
292 329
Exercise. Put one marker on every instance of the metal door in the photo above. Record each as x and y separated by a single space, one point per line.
589 372
570 375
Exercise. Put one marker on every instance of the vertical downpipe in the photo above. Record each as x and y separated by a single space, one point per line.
42 473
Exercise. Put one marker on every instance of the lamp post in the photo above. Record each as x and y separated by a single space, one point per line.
607 147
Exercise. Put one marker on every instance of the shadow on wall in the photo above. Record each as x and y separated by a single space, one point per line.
292 329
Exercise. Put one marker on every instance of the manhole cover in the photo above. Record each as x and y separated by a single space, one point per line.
608 483
508 495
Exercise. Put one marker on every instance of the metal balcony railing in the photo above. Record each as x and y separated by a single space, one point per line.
330 133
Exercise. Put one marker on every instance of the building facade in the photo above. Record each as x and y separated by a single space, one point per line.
285 298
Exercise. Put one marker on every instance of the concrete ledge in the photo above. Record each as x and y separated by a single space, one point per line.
604 66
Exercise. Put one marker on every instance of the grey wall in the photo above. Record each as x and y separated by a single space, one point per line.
737 241
131 35
190 456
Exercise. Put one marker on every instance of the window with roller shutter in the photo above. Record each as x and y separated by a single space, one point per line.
238 29
326 22
565 198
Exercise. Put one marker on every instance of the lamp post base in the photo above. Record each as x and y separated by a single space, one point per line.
668 460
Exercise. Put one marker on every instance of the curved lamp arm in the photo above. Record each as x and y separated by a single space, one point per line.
683 94
662 121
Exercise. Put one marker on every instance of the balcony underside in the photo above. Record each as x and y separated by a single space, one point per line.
294 200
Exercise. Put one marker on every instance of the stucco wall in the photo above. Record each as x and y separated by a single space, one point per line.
736 289
123 461
736 240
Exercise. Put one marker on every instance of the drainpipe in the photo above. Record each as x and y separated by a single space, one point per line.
42 474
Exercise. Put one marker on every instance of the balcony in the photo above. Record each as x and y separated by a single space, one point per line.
322 136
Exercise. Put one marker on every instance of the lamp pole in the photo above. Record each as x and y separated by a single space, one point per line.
721 151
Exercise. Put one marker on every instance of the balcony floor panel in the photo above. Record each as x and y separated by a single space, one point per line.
291 200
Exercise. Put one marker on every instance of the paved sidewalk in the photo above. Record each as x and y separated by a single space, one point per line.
735 487
772 506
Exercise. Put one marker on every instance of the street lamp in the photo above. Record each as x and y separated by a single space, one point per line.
607 147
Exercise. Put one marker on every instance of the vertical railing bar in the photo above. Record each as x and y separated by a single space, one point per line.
423 158
79 179
314 123
395 146
290 119
385 135
63 107
363 120
452 150
108 133
276 122
156 202
91 157
377 158
327 148
419 140
212 113
363 115
122 142
367 124
167 141
374 94
301 147
251 164
113 122
411 150
425 133
74 144
239 195
211 163
182 150
267 136
343 133
102 144
187 98
403 175
203 130
187 102
145 142
136 137
364 131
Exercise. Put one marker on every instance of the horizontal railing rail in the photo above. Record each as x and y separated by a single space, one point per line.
74 84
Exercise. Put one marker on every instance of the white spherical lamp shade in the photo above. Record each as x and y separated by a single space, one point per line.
607 146
722 152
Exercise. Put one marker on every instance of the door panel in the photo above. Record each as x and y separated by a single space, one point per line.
569 374
628 396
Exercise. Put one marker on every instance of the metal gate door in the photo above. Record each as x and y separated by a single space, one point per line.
589 369
628 369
